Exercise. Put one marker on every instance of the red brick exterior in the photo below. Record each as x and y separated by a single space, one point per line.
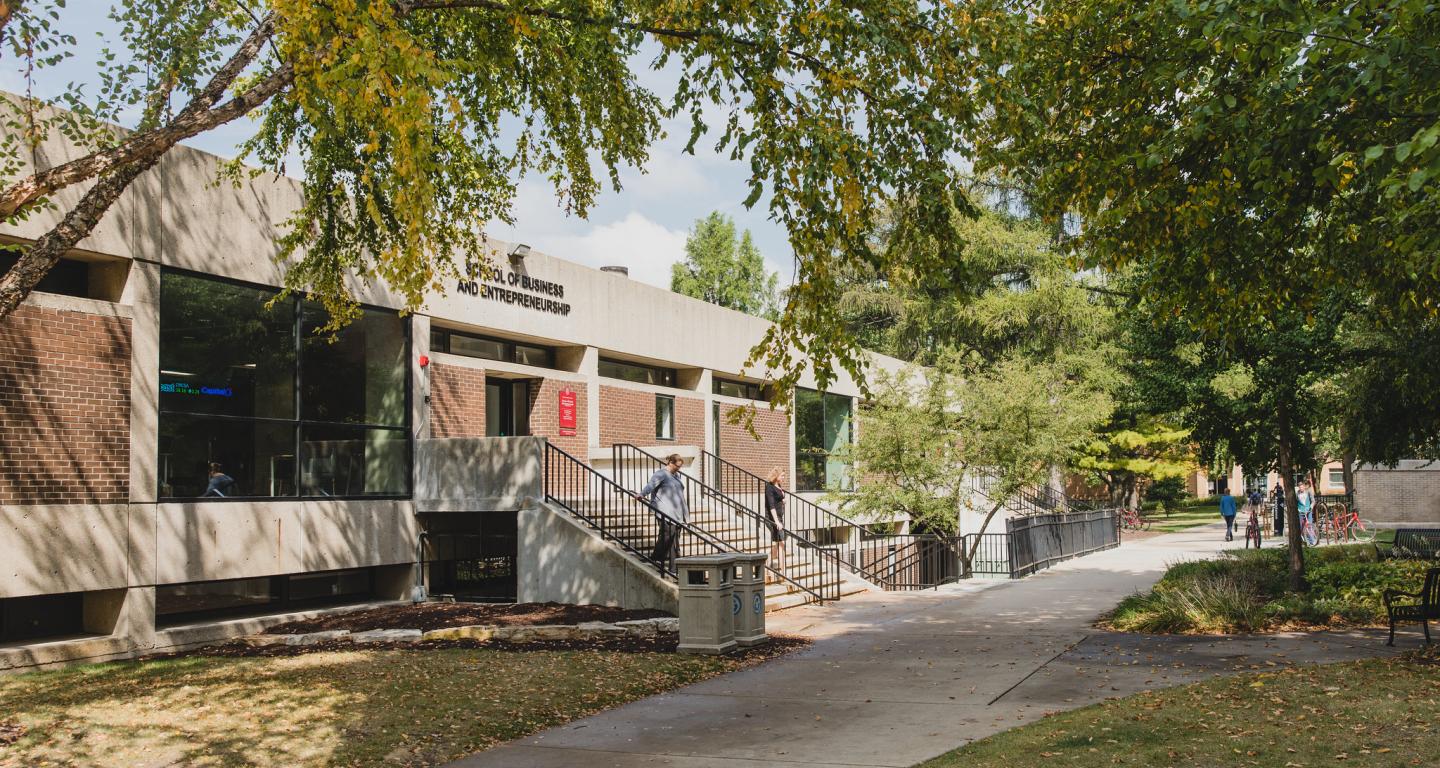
457 401
545 416
628 416
64 408
772 450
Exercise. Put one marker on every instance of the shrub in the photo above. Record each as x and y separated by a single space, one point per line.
1245 591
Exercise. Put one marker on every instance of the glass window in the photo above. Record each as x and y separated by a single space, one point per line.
231 595
223 351
640 374
745 389
41 616
180 603
68 277
822 431
357 375
342 460
254 403
471 346
664 417
247 458
1337 476
457 343
537 356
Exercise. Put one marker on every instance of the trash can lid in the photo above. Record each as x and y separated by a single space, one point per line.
705 560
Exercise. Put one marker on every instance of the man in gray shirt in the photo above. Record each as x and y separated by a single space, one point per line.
667 492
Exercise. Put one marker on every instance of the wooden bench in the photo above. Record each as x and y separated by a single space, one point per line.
1424 605
1408 544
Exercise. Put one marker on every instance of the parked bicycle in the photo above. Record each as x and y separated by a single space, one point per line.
1309 534
1252 527
1133 520
1349 526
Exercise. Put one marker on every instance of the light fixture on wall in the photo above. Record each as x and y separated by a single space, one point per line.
519 252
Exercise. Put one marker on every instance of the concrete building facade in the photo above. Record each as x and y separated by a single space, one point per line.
183 459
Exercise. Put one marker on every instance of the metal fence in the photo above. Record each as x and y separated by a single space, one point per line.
1040 541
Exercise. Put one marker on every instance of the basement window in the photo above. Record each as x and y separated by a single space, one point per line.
101 280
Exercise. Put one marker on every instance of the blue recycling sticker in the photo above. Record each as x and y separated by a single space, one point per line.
735 604
758 603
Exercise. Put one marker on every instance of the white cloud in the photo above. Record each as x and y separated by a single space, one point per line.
646 247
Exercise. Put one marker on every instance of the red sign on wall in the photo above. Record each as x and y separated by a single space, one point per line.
567 412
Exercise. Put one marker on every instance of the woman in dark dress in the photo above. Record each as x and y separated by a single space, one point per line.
775 517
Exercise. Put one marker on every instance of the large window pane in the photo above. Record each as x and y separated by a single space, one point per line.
664 417
837 439
470 346
259 456
214 596
356 375
223 351
640 374
353 461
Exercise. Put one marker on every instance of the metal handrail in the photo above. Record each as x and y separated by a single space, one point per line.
617 514
821 586
801 513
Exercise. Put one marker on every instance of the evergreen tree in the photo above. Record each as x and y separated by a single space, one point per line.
722 270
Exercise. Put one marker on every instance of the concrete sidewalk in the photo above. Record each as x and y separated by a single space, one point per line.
896 678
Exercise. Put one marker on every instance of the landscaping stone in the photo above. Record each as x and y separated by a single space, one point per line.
260 641
387 636
597 629
315 638
475 632
639 627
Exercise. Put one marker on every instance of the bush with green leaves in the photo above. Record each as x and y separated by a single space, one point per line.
1245 591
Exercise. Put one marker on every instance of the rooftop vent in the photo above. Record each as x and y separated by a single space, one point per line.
615 270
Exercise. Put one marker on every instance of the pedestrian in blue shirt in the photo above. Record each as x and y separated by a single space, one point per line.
1227 511
666 491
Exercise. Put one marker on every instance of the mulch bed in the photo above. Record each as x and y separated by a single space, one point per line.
779 645
10 732
428 616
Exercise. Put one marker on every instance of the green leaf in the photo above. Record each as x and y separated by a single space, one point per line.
1375 152
1402 151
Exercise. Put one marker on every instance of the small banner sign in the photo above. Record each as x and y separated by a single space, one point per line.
567 412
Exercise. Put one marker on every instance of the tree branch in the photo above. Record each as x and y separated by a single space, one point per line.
197 117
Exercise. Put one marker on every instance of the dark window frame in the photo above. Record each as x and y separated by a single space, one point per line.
667 377
281 603
509 345
822 454
752 390
663 398
297 421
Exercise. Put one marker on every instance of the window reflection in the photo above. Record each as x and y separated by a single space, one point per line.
255 404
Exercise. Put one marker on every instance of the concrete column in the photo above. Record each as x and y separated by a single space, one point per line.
707 388
142 294
590 369
420 377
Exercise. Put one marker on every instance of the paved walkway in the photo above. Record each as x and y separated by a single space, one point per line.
896 678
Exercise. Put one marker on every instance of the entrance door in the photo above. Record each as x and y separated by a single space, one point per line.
507 407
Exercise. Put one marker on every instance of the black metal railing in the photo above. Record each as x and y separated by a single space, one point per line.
801 514
811 568
617 514
1040 541
912 561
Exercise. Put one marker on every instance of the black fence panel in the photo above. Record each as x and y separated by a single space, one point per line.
1040 541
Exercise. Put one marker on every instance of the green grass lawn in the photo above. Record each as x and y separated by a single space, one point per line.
1245 591
333 707
1182 518
1382 713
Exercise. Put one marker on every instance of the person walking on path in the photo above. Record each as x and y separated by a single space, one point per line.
666 491
775 517
1277 500
1305 500
1227 511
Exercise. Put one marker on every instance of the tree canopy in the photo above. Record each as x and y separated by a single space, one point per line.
724 270
413 122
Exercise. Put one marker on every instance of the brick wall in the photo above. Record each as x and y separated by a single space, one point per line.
772 450
545 416
457 401
64 408
628 416
1409 494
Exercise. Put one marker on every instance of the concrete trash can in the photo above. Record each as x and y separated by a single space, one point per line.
749 602
707 617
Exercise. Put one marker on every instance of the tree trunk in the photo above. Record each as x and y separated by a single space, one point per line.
968 556
1286 448
1347 468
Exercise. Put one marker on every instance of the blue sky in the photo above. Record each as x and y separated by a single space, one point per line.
642 227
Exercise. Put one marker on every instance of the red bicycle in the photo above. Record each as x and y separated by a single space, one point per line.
1132 520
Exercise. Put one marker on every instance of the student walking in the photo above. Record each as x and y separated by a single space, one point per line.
666 492
1227 511
775 517
1305 500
